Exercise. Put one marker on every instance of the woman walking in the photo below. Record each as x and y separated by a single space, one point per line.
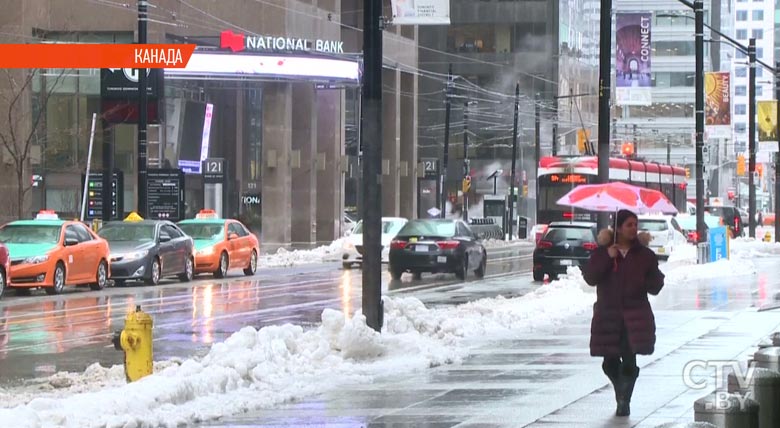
624 271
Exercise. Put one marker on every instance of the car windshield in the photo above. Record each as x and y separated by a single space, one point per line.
428 228
30 234
127 232
560 234
203 231
653 225
389 227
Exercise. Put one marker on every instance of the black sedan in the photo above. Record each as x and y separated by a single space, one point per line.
148 250
436 246
564 244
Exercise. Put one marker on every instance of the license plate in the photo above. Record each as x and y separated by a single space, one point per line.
661 250
441 259
566 262
421 248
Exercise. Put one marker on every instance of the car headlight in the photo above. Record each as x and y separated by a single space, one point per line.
135 255
206 251
36 259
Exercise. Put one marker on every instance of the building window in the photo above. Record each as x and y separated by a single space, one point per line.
742 34
740 128
759 53
759 71
740 109
740 90
758 33
741 72
674 48
759 91
758 15
742 15
740 55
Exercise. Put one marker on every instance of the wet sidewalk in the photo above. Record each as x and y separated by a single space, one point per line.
547 379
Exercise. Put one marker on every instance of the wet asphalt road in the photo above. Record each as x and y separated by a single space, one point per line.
41 335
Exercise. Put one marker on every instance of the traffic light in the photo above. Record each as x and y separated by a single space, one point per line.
760 170
687 172
741 165
466 184
583 135
628 149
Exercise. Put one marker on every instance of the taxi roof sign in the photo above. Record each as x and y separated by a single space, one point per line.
134 217
47 215
206 214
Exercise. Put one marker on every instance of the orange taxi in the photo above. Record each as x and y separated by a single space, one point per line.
221 244
49 253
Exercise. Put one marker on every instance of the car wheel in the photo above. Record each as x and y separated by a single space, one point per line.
252 268
395 273
221 271
154 274
417 275
538 276
189 270
463 270
101 277
2 282
480 271
59 280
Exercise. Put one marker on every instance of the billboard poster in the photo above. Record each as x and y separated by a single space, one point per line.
421 12
767 120
633 84
717 104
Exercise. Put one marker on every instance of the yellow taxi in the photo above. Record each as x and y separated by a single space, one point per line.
49 253
221 244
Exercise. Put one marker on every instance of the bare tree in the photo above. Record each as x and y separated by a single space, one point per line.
19 124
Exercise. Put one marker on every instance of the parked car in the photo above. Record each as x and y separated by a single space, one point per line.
730 216
688 226
352 249
564 244
49 253
221 244
437 245
148 250
5 267
666 232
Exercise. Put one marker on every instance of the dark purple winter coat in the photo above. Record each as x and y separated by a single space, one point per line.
622 285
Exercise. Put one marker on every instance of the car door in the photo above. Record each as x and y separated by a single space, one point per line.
467 238
179 247
90 251
167 251
237 254
74 257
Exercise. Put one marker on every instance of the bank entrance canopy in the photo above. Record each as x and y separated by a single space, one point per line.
210 65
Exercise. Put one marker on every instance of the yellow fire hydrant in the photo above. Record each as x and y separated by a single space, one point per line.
768 237
136 341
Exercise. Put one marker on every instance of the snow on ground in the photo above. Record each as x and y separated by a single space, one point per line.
261 369
285 258
500 243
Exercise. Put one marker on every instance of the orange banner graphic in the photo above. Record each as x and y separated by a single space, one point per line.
82 55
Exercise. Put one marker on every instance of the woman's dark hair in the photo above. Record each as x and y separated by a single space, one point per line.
624 215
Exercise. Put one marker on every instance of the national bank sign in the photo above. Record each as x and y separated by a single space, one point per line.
237 42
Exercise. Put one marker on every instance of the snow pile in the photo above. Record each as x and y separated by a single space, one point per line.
500 243
682 267
748 248
260 369
285 258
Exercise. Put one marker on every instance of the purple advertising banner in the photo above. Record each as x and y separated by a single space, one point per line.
632 58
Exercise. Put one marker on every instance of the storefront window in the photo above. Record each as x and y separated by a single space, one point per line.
254 138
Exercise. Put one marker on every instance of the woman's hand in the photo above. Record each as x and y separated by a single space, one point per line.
613 251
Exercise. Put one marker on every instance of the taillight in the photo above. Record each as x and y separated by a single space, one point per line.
568 215
590 246
544 245
397 245
448 245
736 224
693 236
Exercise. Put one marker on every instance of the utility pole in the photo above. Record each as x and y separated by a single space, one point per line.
446 155
752 136
636 142
698 9
466 169
668 151
372 164
108 173
141 209
555 127
511 221
777 155
605 69
537 144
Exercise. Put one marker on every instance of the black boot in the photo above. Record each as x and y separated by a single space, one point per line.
628 378
612 371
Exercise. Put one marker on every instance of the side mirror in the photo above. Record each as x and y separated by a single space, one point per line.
232 236
69 242
165 238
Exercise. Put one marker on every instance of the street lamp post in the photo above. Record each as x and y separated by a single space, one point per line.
698 9
752 137
605 85
777 155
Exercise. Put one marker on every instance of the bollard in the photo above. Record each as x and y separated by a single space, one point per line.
764 388
768 358
726 410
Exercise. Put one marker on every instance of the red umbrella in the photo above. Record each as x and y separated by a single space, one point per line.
612 197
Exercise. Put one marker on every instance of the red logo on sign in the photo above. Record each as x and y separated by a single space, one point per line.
233 41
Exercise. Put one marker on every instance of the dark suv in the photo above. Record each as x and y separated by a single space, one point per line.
564 244
730 217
